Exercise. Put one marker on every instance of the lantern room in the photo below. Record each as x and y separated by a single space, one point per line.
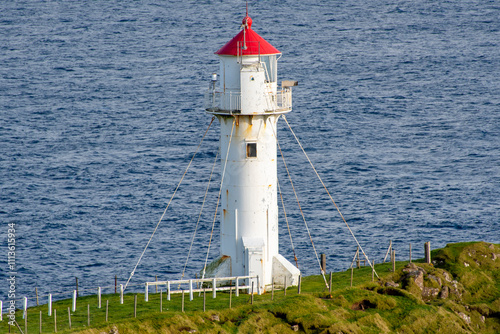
249 64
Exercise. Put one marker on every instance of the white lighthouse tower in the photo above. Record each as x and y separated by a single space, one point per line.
248 104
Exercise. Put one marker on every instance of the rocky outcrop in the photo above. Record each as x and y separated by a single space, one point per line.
461 277
445 292
465 317
438 283
113 330
392 284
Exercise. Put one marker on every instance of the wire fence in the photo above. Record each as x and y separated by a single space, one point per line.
38 297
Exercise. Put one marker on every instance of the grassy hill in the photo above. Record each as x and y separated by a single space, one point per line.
458 293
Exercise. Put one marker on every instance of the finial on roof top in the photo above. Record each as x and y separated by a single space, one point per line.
247 20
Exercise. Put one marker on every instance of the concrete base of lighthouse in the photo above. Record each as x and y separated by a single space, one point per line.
283 272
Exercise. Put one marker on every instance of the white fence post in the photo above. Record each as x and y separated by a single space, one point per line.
99 297
168 290
258 285
237 287
1 310
214 292
25 306
190 289
121 293
74 300
146 293
50 304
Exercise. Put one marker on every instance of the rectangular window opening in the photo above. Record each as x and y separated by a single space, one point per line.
251 150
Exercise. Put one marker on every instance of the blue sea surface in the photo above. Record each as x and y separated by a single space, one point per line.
101 110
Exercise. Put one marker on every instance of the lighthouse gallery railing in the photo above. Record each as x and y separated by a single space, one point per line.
230 101
213 281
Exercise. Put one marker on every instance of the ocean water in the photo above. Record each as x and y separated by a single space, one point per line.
101 109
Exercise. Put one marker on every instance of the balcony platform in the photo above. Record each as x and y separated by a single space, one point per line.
229 102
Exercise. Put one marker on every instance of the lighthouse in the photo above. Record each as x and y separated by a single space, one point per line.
246 99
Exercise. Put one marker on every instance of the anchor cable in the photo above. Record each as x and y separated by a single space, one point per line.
324 186
168 205
301 212
199 216
287 225
218 199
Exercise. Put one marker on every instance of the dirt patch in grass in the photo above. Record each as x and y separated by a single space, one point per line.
363 305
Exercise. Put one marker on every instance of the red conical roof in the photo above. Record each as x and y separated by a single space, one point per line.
255 44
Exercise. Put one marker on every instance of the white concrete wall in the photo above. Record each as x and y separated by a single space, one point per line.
229 73
253 90
249 192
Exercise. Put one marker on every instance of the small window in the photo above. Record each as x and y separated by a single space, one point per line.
251 150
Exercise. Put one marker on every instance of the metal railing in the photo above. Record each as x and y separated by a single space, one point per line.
199 282
283 99
230 101
242 47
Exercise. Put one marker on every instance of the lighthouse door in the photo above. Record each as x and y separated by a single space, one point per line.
254 260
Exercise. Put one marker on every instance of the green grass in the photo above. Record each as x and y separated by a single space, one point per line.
118 313
367 307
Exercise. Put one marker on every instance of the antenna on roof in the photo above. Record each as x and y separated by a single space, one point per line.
245 26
